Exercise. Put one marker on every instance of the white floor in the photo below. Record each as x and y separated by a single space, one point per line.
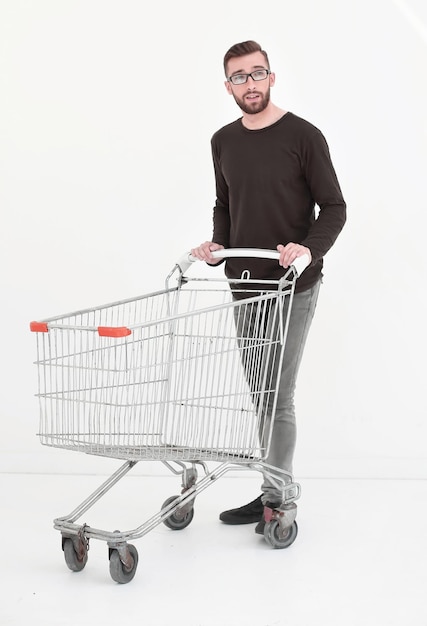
359 558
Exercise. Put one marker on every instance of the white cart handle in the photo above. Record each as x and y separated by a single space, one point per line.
299 264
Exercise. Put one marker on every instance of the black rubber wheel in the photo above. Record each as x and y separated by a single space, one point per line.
74 562
273 538
177 521
119 573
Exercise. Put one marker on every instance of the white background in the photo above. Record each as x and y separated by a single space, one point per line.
106 112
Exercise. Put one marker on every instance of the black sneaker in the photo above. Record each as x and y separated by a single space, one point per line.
259 528
247 514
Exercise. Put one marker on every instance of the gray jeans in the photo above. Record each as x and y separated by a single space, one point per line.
283 437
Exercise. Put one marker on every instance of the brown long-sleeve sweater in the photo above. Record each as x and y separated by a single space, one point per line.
268 183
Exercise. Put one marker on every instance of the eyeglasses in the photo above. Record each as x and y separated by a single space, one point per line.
241 79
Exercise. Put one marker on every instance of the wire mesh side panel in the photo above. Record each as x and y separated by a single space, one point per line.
223 384
92 388
197 384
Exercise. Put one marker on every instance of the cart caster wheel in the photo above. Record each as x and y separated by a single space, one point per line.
178 520
118 571
273 538
75 560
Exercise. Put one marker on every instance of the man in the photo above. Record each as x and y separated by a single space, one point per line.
273 173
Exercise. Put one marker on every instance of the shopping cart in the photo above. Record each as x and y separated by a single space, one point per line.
171 376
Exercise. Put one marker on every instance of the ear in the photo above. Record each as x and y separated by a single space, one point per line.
272 78
228 87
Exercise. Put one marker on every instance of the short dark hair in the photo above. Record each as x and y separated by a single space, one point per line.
240 49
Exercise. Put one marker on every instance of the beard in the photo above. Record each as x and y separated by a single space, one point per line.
251 108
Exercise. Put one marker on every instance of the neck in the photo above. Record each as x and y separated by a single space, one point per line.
270 115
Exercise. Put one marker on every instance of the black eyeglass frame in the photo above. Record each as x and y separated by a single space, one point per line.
230 78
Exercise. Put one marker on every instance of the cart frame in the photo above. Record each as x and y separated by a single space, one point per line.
91 375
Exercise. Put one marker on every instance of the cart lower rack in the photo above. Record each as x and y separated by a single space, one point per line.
172 376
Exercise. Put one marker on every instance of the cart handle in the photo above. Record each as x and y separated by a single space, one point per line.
299 264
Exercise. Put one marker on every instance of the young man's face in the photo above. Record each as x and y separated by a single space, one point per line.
252 96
